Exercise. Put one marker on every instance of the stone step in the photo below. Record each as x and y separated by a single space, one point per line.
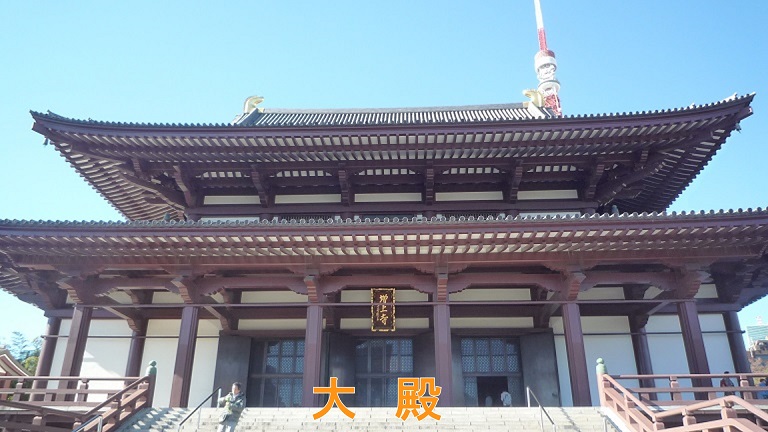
374 419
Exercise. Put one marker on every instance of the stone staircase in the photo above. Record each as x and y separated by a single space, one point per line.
377 420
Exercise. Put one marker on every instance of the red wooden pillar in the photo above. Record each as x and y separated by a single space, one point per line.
642 350
136 350
78 336
443 356
692 337
185 355
313 339
46 354
736 342
577 358
48 348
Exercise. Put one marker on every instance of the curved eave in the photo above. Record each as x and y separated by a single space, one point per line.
732 228
100 150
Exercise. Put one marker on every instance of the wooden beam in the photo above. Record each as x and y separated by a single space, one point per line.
429 184
261 183
344 185
184 183
515 177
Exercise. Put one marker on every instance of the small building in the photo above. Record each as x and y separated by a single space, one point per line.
9 366
493 247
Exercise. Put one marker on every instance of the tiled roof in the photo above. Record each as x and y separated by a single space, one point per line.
687 138
393 116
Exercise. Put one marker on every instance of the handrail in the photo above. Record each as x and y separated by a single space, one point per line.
87 422
613 393
197 409
117 395
41 409
542 410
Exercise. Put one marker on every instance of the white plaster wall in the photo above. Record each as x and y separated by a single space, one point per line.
496 322
719 354
167 297
602 293
307 199
667 350
58 354
469 196
400 323
615 349
106 357
273 324
163 351
548 194
401 296
707 291
490 294
273 297
231 199
387 197
204 364
563 372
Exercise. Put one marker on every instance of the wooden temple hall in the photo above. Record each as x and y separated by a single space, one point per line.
491 247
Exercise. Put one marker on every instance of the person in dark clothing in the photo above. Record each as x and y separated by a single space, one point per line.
727 382
234 404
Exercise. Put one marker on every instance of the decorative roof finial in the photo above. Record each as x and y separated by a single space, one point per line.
250 104
546 65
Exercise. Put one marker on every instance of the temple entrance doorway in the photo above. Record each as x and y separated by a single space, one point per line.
489 389
491 366
378 364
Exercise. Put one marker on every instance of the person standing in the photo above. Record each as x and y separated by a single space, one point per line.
763 394
506 399
234 404
726 382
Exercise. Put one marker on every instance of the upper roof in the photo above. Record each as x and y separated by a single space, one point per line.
391 116
142 169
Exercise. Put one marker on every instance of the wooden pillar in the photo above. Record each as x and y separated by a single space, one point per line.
443 353
78 336
313 338
48 348
185 355
692 337
136 350
642 350
736 342
46 354
577 358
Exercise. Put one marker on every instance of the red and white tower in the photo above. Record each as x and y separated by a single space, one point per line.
546 65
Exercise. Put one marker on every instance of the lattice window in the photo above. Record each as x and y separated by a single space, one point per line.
276 373
379 363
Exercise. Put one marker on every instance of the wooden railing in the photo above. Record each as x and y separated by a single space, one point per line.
74 394
644 409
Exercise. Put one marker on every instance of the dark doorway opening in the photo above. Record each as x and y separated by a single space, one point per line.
489 389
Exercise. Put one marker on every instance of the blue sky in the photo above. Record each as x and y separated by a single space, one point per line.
188 62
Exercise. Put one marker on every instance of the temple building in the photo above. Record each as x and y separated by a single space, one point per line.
492 247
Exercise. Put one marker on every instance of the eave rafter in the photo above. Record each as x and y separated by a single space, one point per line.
261 183
514 178
185 184
595 174
429 184
345 186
